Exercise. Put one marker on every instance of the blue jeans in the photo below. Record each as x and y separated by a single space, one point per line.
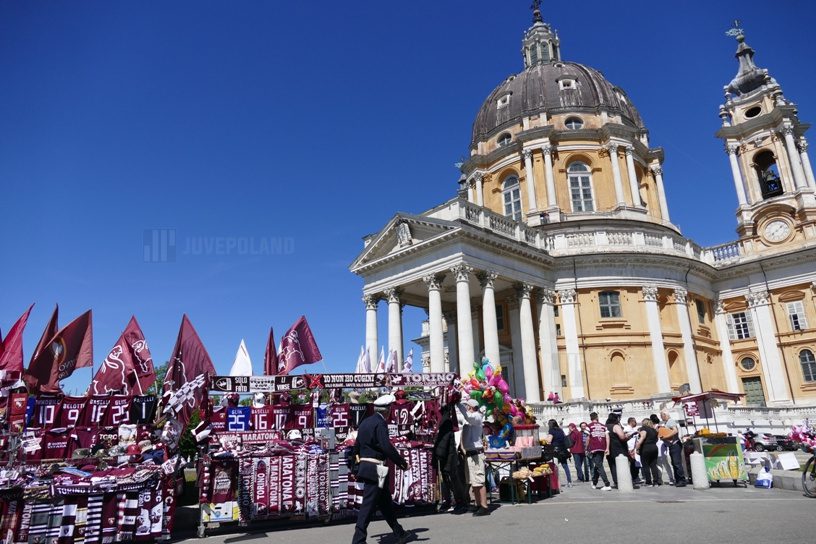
581 466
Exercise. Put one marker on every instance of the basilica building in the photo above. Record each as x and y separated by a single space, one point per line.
557 255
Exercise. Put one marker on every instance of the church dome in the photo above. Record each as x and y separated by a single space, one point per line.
553 88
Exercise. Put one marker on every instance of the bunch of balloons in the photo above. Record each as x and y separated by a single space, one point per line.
486 385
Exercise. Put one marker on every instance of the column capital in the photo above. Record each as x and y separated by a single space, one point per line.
486 278
393 295
719 307
547 296
786 130
629 149
649 293
803 144
371 301
462 272
478 177
732 149
547 149
527 153
524 290
567 296
433 281
611 148
680 295
757 298
656 170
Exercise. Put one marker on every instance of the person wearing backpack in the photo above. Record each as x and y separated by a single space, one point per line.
558 440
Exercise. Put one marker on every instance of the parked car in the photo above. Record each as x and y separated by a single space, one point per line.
765 442
785 443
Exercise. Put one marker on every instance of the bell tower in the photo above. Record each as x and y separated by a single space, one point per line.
767 150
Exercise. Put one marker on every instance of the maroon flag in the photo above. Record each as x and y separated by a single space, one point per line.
11 354
187 374
271 356
50 331
69 349
128 368
298 347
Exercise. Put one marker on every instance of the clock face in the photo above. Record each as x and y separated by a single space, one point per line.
777 230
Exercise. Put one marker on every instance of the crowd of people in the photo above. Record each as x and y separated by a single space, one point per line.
652 447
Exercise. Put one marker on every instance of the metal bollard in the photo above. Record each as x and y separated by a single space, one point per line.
699 476
624 476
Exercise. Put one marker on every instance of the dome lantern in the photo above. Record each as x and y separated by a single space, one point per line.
540 43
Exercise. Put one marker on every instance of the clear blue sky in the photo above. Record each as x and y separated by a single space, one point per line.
308 124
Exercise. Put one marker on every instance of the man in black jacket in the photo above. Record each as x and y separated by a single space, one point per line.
373 449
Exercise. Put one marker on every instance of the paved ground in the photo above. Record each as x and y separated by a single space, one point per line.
580 514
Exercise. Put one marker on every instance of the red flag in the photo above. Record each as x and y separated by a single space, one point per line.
298 347
188 372
11 357
50 331
271 356
69 349
128 368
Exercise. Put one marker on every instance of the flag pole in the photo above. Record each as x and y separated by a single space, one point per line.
141 392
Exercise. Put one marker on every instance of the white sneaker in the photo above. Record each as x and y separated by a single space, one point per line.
606 488
594 487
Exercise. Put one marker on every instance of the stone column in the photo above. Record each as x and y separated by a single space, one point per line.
552 202
517 386
630 171
661 370
729 368
453 344
736 174
793 157
371 302
803 145
436 337
772 367
477 179
532 392
394 324
568 299
661 192
464 325
550 367
689 353
612 148
528 169
491 327
470 197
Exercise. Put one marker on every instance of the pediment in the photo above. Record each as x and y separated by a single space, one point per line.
402 234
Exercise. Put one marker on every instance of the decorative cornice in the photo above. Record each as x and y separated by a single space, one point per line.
371 301
567 296
486 278
680 295
757 298
462 272
393 295
649 293
433 281
547 296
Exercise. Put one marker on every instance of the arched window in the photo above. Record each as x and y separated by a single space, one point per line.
504 139
609 302
580 183
512 198
767 174
573 123
808 362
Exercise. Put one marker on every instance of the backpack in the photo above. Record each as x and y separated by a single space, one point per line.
568 441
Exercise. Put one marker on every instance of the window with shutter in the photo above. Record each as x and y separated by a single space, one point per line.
740 326
796 314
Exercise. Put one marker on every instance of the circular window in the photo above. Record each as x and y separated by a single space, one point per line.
748 364
753 112
573 123
504 140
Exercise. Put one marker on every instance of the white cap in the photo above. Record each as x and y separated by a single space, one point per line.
384 400
294 434
473 403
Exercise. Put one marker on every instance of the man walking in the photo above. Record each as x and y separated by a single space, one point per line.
473 445
372 448
598 448
671 436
